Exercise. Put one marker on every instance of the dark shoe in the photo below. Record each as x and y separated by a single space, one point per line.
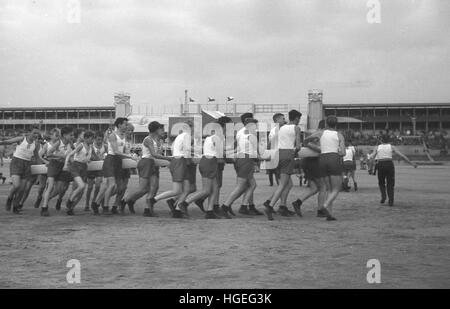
16 209
391 203
297 207
171 203
268 210
321 213
95 208
131 207
69 204
184 208
383 200
70 212
20 206
58 204
9 204
199 203
45 212
114 210
253 211
105 210
243 210
267 205
177 214
355 185
122 205
328 215
284 211
86 208
211 215
38 202
147 212
216 209
225 210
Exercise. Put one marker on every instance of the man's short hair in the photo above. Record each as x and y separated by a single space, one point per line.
99 134
77 132
154 126
119 121
66 130
294 114
276 116
88 134
321 125
245 116
332 121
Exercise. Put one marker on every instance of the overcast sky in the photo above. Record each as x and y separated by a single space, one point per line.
260 51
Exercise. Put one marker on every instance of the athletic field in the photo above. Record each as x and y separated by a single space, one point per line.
410 240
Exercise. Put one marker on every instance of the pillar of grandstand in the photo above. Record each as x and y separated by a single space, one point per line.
315 108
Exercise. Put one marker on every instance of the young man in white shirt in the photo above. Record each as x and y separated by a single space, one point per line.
279 121
289 143
247 153
349 165
212 151
181 152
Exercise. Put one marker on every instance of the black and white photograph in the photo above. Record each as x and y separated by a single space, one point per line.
224 149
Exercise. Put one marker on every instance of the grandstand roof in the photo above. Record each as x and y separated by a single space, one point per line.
387 105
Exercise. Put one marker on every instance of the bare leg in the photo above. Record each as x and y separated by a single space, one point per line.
248 195
110 184
204 193
335 186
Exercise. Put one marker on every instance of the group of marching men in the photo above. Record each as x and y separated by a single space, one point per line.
67 155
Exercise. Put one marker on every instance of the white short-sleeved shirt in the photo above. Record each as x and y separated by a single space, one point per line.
181 147
211 146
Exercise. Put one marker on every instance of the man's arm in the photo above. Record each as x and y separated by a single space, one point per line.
374 154
312 137
341 149
73 152
298 139
14 140
153 152
395 150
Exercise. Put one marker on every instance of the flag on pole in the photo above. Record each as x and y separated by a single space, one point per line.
191 100
211 99
230 99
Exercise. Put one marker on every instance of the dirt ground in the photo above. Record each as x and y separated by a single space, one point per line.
411 241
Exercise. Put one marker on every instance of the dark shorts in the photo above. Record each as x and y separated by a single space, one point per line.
112 166
78 169
178 169
208 167
191 173
330 164
286 163
64 176
20 167
349 166
126 173
245 167
310 167
220 168
146 167
94 174
54 168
